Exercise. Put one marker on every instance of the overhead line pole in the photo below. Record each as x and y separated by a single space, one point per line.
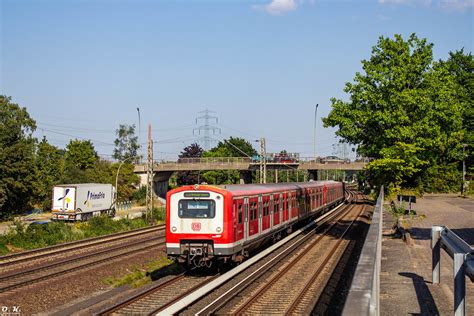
149 187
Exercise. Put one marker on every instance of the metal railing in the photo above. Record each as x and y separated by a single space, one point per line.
204 160
363 298
463 256
125 205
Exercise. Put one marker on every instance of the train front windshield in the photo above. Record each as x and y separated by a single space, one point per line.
197 209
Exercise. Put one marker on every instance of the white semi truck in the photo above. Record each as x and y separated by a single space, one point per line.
79 202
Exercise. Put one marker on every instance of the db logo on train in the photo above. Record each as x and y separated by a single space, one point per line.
196 226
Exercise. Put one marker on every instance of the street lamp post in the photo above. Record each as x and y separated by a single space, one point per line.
139 128
315 121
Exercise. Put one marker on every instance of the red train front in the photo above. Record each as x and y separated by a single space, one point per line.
206 222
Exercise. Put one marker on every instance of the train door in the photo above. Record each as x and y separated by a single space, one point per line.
325 195
285 207
238 219
260 206
265 212
276 210
253 216
294 210
281 208
246 218
271 209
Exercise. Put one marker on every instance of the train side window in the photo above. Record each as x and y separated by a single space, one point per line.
240 213
276 205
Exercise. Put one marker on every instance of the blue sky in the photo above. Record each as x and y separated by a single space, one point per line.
83 67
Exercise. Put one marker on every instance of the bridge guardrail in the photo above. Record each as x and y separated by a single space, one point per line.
204 160
463 256
364 294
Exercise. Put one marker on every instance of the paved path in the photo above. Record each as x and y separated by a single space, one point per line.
406 287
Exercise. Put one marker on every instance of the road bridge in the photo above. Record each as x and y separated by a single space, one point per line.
164 169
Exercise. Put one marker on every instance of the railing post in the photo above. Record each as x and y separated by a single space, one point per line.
436 252
459 285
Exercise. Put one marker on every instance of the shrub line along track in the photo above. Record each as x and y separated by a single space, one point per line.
47 271
133 304
73 245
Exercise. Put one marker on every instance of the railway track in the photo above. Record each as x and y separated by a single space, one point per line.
301 269
159 297
315 260
158 300
29 275
68 247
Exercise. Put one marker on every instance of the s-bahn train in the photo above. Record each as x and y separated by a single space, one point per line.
205 223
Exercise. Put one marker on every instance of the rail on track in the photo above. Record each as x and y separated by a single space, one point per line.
363 298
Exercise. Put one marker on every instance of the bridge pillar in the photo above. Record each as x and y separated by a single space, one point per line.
245 176
160 183
313 175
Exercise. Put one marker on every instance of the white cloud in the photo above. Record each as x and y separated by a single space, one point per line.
277 7
456 5
409 2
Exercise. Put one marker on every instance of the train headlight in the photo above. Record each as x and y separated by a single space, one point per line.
173 229
218 229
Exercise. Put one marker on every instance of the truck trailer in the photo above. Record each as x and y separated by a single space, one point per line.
79 202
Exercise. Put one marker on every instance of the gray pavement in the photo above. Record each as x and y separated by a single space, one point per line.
405 281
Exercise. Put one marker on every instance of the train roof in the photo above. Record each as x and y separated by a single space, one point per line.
244 189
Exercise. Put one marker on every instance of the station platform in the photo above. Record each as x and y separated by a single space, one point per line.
405 279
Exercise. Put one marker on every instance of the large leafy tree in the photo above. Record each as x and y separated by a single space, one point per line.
404 111
189 177
232 147
50 166
17 149
461 65
126 143
79 157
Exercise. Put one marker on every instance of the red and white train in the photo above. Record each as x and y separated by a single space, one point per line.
205 222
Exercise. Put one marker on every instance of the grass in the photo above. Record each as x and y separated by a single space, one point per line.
139 276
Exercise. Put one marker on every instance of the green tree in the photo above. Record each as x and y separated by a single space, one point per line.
403 111
461 66
189 177
80 155
232 147
126 143
128 181
49 166
17 148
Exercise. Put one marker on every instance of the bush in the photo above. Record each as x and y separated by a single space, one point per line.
36 236
158 215
140 195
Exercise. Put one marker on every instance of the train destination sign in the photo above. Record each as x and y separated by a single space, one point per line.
197 194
